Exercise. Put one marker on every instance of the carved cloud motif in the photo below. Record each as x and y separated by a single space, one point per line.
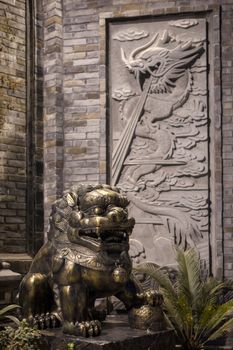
184 23
122 94
130 34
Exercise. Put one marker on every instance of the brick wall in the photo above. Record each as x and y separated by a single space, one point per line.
53 103
227 133
13 125
21 126
84 134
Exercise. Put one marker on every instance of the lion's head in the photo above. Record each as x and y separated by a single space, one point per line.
92 216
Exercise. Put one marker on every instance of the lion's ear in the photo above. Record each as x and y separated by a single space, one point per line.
71 198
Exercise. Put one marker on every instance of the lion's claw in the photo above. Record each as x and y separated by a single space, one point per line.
43 321
84 329
151 297
96 327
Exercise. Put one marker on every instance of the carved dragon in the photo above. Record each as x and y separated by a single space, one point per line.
162 69
163 75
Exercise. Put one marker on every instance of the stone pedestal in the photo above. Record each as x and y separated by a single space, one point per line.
9 283
116 335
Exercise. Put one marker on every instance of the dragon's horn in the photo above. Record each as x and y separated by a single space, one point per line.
124 59
165 37
144 47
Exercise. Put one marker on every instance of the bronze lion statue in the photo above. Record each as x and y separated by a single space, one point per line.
85 258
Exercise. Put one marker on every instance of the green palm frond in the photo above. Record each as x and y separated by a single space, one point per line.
189 274
205 304
152 270
175 316
209 289
185 311
7 309
219 316
13 318
219 332
209 302
205 314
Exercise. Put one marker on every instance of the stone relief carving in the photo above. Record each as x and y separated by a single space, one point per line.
187 36
137 251
160 134
184 23
130 34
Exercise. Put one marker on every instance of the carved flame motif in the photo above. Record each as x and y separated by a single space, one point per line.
164 122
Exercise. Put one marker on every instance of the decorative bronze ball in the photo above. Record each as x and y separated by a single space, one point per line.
120 275
147 317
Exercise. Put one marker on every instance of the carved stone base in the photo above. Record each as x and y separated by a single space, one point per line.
9 283
116 335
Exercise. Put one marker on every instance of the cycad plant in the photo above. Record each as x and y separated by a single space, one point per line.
192 304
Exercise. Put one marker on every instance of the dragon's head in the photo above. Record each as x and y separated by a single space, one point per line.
146 58
161 56
93 216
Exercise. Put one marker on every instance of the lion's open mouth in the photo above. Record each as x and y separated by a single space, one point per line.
107 239
114 237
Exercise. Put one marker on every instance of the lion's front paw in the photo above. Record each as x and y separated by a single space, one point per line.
151 297
84 329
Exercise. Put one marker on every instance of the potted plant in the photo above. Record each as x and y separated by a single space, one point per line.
191 304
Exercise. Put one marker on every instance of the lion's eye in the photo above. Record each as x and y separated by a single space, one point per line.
98 211
111 207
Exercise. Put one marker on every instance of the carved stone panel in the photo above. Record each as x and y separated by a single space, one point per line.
159 131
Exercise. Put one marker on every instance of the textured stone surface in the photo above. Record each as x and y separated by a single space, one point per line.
116 335
9 283
159 129
76 113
